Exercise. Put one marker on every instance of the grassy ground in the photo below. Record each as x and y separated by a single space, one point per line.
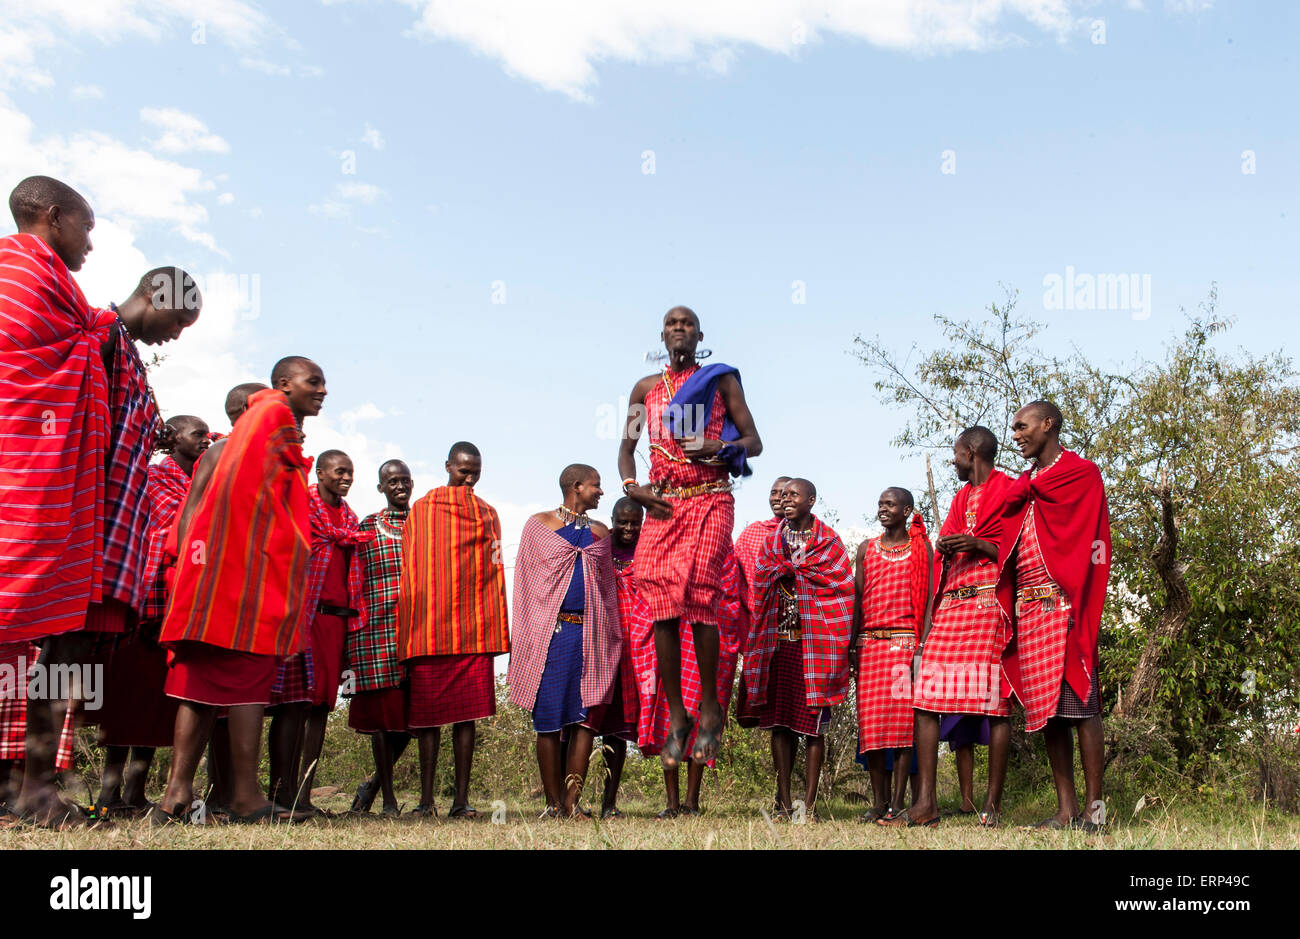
727 827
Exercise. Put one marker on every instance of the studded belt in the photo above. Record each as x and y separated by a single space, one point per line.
686 492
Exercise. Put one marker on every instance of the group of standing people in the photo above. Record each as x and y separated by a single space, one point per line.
217 586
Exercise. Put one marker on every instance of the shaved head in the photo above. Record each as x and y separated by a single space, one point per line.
237 398
36 195
288 365
463 447
576 473
1046 410
627 504
393 467
803 484
331 456
183 421
981 440
170 288
684 309
903 496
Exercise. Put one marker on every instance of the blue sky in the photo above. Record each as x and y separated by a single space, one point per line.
499 152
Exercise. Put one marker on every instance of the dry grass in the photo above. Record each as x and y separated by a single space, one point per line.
730 828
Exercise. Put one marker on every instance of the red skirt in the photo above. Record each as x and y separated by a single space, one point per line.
1040 638
787 696
321 687
448 689
373 712
885 716
961 665
208 674
136 711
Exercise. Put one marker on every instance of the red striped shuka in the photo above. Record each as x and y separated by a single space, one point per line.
241 576
452 599
53 433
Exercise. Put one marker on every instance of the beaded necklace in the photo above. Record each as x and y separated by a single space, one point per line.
894 553
576 519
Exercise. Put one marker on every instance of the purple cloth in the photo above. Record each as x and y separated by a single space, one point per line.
964 730
697 391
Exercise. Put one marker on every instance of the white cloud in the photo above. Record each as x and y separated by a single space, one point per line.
373 137
226 198
559 44
345 195
128 186
181 132
255 64
86 93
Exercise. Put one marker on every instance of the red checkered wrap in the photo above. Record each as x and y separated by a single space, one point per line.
885 692
326 537
679 560
786 698
449 689
135 426
634 617
166 489
372 649
961 664
1040 634
16 657
543 568
823 581
887 589
733 625
748 544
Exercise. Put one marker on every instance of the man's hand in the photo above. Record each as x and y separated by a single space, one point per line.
656 506
952 544
700 448
166 439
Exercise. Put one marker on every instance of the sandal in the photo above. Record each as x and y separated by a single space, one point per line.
1051 824
611 812
365 797
425 811
688 811
390 811
872 815
990 820
706 744
549 812
667 815
674 750
904 820
269 814
462 811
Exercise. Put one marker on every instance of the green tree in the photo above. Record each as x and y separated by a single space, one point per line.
1199 454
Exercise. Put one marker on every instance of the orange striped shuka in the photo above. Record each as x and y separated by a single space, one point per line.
241 575
452 599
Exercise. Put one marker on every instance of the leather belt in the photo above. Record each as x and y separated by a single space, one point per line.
567 618
1041 592
329 609
790 635
686 492
972 590
886 633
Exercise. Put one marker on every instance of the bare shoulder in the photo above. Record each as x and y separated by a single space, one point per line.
642 388
598 530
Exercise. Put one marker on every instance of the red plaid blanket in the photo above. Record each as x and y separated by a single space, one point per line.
53 432
748 544
823 579
135 427
372 649
543 568
166 488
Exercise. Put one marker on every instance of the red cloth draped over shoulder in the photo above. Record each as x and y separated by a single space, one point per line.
53 434
1073 525
824 584
241 576
988 521
543 568
452 598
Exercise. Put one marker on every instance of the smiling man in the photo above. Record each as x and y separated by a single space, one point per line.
307 684
241 579
700 431
1053 564
451 620
379 706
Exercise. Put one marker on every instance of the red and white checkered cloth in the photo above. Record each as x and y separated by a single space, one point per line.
884 683
13 709
823 582
961 665
748 544
1040 634
167 487
543 568
733 625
